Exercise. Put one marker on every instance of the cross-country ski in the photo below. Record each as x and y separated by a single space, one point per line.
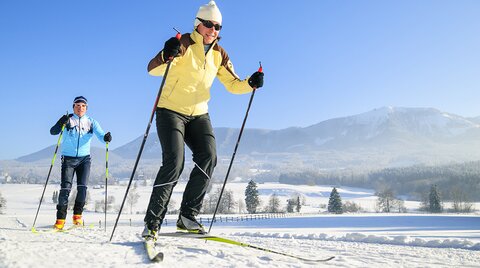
153 252
225 240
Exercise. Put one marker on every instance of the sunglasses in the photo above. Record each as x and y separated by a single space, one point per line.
210 24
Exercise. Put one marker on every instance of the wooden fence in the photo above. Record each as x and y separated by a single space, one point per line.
223 218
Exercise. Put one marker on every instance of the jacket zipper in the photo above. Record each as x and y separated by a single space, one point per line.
78 141
205 60
204 68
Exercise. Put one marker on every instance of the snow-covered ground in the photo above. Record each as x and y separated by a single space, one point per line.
356 240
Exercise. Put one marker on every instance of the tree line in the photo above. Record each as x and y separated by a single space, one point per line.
388 202
451 181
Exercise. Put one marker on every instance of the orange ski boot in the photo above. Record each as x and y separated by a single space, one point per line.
59 224
77 220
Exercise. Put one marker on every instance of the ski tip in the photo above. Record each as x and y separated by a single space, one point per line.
324 260
33 230
331 258
158 257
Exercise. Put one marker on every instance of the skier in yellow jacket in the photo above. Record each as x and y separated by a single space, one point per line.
182 115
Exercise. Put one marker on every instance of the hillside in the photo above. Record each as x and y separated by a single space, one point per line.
386 137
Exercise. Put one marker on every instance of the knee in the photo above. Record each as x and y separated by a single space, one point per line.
210 156
66 185
207 151
213 160
174 161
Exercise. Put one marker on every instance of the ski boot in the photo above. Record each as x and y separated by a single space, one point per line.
189 224
59 224
77 220
150 233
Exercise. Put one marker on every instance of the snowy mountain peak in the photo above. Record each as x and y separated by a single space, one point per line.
423 121
388 126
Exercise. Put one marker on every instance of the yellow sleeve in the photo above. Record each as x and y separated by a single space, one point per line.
227 76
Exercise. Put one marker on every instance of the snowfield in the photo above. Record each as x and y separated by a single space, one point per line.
356 240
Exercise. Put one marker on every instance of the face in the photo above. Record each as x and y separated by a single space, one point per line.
80 109
209 34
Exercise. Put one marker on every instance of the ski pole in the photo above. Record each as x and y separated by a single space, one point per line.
106 182
49 171
260 69
178 35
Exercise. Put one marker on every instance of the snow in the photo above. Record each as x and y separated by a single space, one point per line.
356 240
427 121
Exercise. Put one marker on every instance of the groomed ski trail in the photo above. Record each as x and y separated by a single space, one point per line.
19 247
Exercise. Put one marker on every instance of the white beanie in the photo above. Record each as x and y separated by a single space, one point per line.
209 11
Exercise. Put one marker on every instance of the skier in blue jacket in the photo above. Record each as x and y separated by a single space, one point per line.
78 132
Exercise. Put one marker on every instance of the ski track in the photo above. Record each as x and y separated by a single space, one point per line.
19 247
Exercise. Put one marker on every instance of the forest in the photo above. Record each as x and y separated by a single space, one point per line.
415 181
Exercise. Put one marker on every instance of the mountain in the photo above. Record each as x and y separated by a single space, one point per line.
391 125
386 127
475 119
97 154
387 136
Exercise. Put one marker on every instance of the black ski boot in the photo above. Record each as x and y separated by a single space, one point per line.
189 224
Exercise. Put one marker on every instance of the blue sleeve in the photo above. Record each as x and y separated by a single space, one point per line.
97 129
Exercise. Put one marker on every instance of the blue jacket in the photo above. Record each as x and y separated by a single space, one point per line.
77 135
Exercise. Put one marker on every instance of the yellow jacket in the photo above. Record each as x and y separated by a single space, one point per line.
191 74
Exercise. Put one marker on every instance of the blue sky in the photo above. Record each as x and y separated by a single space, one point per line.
322 59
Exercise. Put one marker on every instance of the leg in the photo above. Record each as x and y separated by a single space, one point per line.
83 173
201 140
170 129
65 186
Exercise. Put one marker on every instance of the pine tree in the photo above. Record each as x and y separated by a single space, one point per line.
299 205
252 200
335 202
435 205
290 205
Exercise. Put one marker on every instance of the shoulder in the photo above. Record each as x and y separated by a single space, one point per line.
186 40
223 53
220 49
93 121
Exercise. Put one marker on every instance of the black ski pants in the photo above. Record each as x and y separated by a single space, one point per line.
174 131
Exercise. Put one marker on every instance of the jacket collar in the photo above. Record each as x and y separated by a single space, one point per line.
198 38
77 117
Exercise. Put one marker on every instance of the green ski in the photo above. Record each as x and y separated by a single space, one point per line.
237 243
65 230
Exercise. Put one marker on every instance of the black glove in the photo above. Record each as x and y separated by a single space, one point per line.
107 137
171 48
63 119
256 80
